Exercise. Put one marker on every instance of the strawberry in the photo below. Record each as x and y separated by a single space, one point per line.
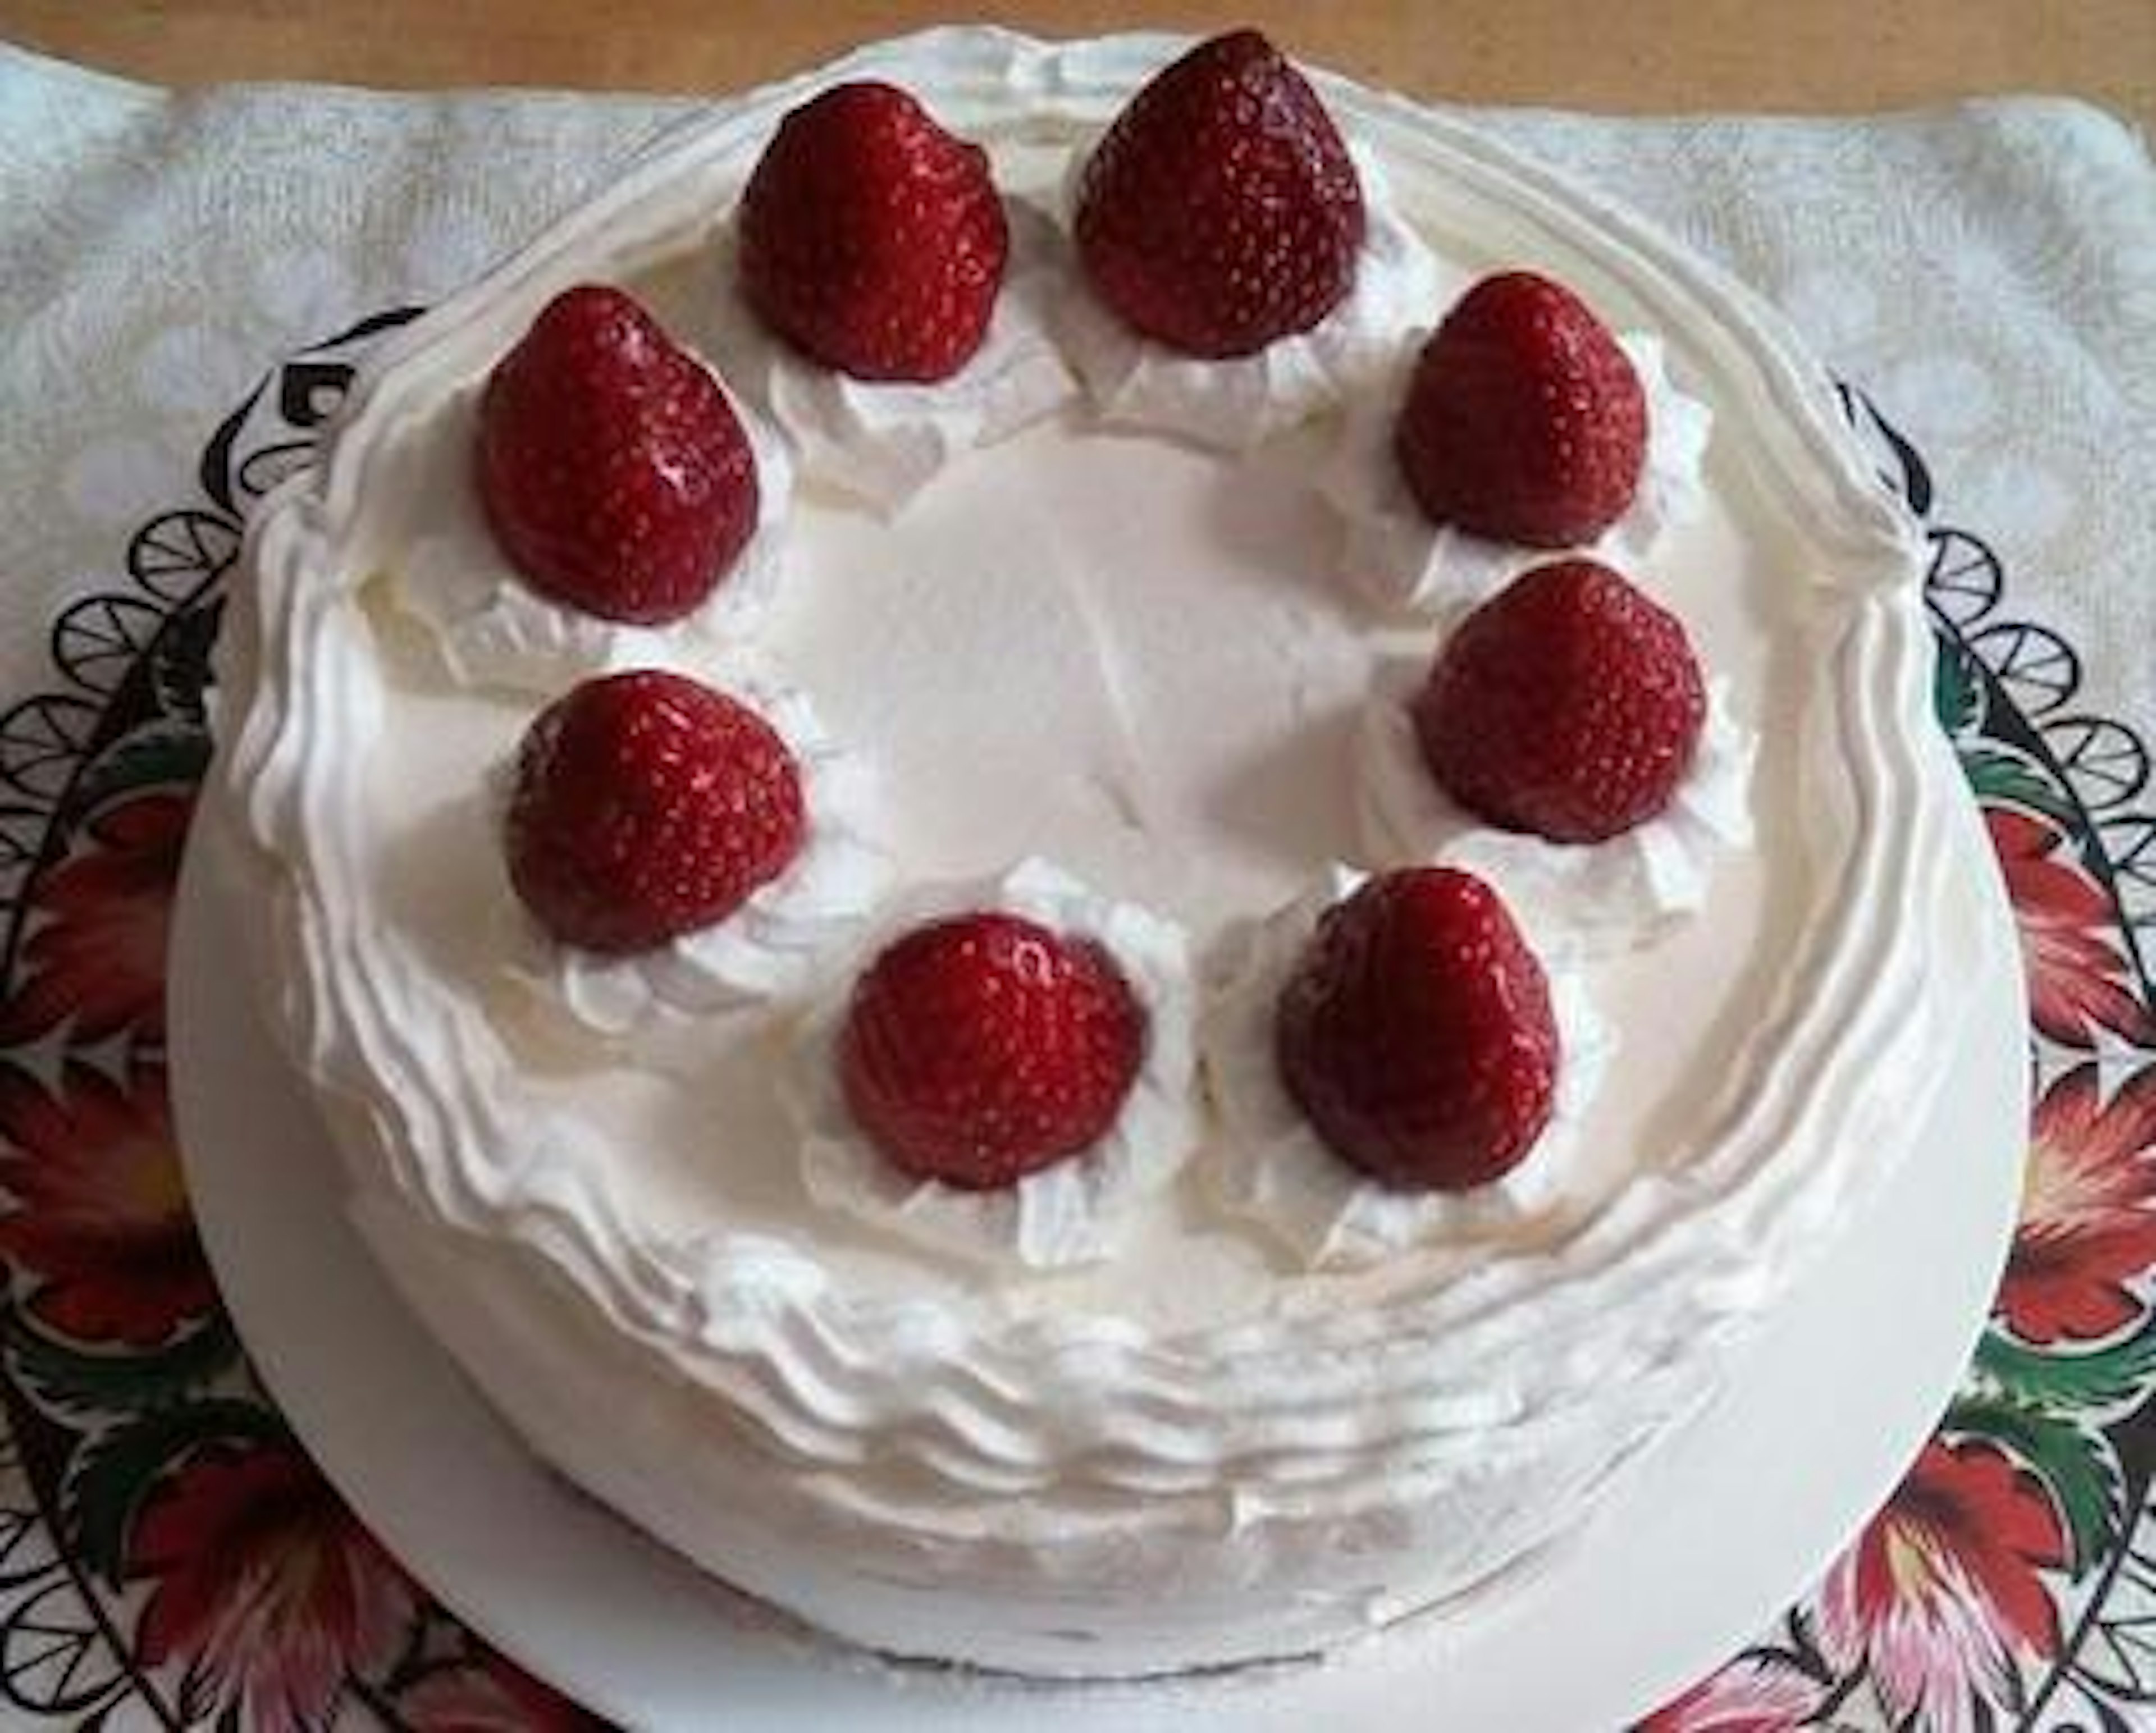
1416 1035
1568 704
1524 421
615 472
982 1048
647 805
871 239
1220 211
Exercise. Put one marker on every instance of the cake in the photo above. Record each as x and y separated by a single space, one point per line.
1117 642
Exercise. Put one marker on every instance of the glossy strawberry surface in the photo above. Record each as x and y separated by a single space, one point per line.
1570 705
1220 212
1524 421
1416 1035
647 805
615 472
982 1048
871 239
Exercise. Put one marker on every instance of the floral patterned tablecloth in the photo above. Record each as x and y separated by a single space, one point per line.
169 1558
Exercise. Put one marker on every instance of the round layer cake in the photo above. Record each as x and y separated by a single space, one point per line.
1124 642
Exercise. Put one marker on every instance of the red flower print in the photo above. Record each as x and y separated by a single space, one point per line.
1942 1590
492 1696
96 1211
1753 1694
99 919
2077 978
269 1592
2088 1211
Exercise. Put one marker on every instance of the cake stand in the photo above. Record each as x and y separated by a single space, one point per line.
1696 1550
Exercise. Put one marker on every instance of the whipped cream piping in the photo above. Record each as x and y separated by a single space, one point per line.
883 443
1819 479
1073 1212
1583 901
1395 555
1135 381
1274 1169
805 1364
774 945
492 629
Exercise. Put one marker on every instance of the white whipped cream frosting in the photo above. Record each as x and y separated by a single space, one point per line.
490 629
1273 1169
1583 899
784 937
1074 1211
883 441
1006 1467
1135 381
1392 552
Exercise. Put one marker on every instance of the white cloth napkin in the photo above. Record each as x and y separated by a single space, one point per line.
1986 273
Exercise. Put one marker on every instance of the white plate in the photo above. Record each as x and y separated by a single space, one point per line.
1694 1554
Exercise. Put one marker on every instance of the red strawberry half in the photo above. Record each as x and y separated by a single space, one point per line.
1524 421
615 472
1220 212
647 805
1416 1035
1568 704
983 1048
871 239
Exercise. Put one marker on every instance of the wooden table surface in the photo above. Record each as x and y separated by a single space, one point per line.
1647 56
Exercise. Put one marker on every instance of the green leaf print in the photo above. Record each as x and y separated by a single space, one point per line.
2075 1461
159 754
66 1377
113 1474
1997 775
2057 1380
1957 694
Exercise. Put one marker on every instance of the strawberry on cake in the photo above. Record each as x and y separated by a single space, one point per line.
647 805
1221 212
1569 706
1415 1035
615 475
871 240
1105 908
